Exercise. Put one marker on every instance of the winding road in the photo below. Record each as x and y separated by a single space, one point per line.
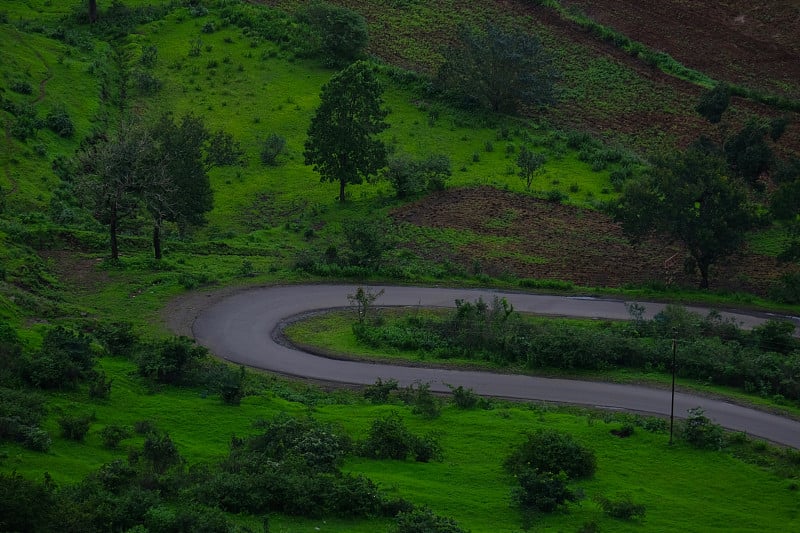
244 327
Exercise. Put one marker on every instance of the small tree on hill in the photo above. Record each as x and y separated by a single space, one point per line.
689 197
341 142
714 102
530 164
498 69
342 33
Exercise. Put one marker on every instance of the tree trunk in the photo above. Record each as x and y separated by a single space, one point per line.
157 241
703 275
92 10
341 189
112 229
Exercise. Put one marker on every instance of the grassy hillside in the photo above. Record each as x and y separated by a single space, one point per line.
243 69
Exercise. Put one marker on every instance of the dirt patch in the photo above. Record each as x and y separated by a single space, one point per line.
80 273
546 240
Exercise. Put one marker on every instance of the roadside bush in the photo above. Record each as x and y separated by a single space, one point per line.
542 491
59 121
700 432
272 147
230 384
464 398
423 520
552 451
623 508
421 400
786 289
74 427
368 240
380 391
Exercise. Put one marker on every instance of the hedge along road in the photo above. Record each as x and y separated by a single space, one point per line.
245 327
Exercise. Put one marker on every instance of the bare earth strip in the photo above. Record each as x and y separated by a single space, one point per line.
243 326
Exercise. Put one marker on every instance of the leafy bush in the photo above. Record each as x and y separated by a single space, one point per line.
368 240
100 387
421 400
423 520
65 358
542 491
160 451
118 338
552 451
74 427
316 445
624 508
272 147
21 87
112 435
341 33
149 56
464 398
379 391
411 177
786 289
25 505
169 360
230 384
59 121
146 83
700 432
388 438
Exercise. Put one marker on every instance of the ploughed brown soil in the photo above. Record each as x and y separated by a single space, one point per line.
553 241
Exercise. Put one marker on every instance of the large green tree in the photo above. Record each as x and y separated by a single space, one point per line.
342 143
690 197
499 69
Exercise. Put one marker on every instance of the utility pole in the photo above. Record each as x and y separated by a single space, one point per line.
672 405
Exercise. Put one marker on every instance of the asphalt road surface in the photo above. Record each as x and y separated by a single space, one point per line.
244 327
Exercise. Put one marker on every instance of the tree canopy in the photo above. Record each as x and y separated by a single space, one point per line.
498 69
689 197
342 144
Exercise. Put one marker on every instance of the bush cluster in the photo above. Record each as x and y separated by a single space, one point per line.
389 438
764 360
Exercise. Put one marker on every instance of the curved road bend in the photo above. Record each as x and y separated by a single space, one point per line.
242 327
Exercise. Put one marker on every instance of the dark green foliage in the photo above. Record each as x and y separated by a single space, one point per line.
379 391
25 505
25 123
690 198
59 121
776 336
786 289
368 240
502 71
423 520
112 435
342 144
318 446
169 360
623 508
542 491
161 452
700 432
552 451
146 82
11 361
149 56
74 427
464 398
272 147
99 386
421 400
21 412
748 153
222 150
230 384
530 165
389 438
65 359
340 32
21 87
411 177
118 338
714 102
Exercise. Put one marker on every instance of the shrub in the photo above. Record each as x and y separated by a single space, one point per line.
423 520
35 438
112 435
100 387
118 338
146 83
379 391
230 384
552 451
25 505
314 444
59 121
272 147
541 491
168 361
786 289
20 410
143 427
426 448
149 56
700 432
160 451
623 508
342 33
411 177
388 438
64 359
74 427
421 400
21 87
464 398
